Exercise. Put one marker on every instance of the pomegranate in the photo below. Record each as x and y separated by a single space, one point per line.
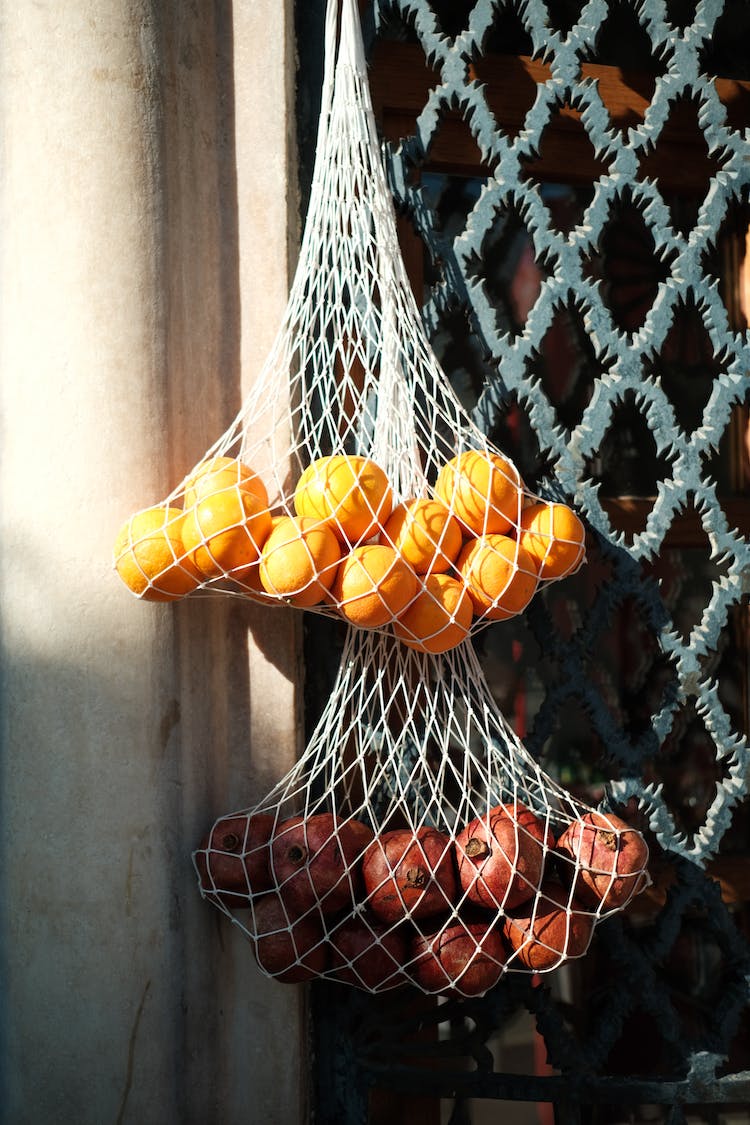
467 958
315 859
233 858
231 899
549 930
605 860
409 873
368 954
501 856
287 948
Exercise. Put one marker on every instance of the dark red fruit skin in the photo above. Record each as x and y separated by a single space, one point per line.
231 900
369 955
232 859
315 860
511 871
289 949
409 874
559 928
605 859
464 958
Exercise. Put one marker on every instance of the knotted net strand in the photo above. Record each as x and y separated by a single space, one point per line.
416 841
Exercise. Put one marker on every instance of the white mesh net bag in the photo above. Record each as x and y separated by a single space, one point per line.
352 482
416 841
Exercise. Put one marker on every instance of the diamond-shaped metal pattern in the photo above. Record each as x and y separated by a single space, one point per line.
629 319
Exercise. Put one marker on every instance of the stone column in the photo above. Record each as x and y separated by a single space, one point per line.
142 143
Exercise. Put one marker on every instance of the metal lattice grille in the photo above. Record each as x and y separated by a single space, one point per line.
632 270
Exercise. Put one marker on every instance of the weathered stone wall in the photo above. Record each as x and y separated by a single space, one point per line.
146 234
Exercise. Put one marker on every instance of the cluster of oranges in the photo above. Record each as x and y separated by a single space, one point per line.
477 548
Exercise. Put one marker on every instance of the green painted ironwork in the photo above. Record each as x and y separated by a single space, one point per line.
637 728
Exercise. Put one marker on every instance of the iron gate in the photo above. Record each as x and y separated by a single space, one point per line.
573 184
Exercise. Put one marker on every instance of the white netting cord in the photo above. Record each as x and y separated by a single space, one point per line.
417 841
352 478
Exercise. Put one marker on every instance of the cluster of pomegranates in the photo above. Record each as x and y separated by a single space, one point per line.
449 913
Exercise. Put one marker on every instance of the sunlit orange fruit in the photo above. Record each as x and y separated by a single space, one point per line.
299 560
483 490
150 558
248 578
350 493
555 536
500 575
225 531
373 585
425 534
440 616
218 473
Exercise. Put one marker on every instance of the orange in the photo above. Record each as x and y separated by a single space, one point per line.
225 531
150 556
351 493
299 560
425 534
554 535
218 473
248 579
500 574
440 616
483 491
373 585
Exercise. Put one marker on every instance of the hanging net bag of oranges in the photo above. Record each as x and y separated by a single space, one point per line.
415 842
352 482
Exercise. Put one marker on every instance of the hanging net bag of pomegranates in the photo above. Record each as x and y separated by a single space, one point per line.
416 841
352 482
